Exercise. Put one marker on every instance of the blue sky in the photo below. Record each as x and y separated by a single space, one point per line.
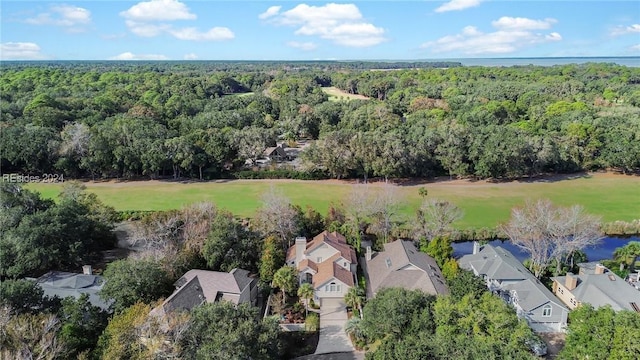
314 30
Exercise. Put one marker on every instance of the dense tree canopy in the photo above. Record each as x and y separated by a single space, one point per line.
116 119
413 325
135 280
224 331
39 235
601 334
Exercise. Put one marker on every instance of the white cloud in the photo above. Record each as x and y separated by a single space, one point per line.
147 29
518 23
161 10
70 17
511 34
635 48
272 11
342 24
554 36
623 30
190 56
20 51
150 18
214 34
131 56
306 46
454 5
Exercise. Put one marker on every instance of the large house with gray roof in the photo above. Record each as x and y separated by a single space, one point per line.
509 278
598 286
402 265
66 284
327 262
197 287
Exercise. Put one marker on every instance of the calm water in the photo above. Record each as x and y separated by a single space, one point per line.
600 252
631 61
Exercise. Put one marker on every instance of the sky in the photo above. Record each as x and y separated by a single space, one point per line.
316 30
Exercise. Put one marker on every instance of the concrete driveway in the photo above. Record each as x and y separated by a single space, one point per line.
334 356
333 339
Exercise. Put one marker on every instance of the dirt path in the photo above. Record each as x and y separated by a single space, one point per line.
435 182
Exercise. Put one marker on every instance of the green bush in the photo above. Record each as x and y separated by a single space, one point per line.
281 174
312 323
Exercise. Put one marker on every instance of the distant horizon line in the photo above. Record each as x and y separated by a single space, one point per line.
339 60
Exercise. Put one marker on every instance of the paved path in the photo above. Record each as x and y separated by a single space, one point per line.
333 339
334 356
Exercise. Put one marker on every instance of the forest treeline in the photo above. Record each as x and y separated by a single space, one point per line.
204 120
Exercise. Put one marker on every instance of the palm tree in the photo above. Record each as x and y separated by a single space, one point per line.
286 278
628 254
305 291
354 298
353 327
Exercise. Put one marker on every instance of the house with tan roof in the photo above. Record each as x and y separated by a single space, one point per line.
197 287
327 262
402 265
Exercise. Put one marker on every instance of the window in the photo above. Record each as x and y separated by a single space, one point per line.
561 290
332 287
388 261
345 264
546 310
319 259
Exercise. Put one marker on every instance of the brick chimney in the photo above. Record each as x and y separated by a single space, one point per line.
571 281
87 269
599 269
301 247
369 253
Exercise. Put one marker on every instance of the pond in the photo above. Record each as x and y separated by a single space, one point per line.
600 252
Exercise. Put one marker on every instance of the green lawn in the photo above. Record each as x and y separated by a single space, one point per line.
484 204
336 94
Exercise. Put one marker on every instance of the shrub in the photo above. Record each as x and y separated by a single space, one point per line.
281 174
312 323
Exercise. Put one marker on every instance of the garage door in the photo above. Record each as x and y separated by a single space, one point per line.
332 303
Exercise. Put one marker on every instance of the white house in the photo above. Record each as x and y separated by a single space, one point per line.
508 277
327 262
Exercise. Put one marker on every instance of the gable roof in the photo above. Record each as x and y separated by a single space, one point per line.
64 284
336 241
499 264
306 263
198 286
532 294
333 239
274 150
495 263
602 289
328 270
402 265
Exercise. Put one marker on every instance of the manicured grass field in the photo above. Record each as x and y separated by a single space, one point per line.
336 94
614 197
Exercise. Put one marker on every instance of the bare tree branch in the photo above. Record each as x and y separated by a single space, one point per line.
277 216
435 217
548 232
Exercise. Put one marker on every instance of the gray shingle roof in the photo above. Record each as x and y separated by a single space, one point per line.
499 264
65 284
495 263
198 286
602 289
402 265
532 294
